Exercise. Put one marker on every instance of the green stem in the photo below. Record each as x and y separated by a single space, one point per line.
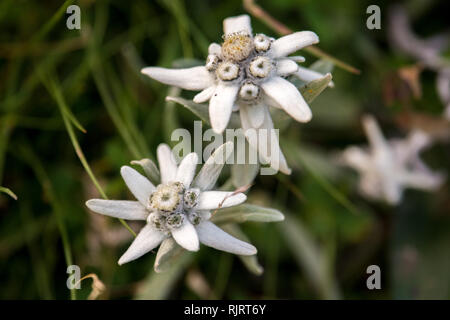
55 91
113 112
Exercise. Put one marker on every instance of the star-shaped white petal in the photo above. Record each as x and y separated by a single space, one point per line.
386 168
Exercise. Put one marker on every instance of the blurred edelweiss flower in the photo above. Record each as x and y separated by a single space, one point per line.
390 166
179 207
247 74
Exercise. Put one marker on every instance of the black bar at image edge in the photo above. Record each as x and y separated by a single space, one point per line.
230 309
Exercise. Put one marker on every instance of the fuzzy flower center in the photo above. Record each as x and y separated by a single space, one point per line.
167 197
228 71
262 43
249 91
237 46
260 67
211 62
172 204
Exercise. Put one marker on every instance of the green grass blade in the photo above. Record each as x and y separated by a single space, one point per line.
54 90
177 9
8 192
52 21
112 110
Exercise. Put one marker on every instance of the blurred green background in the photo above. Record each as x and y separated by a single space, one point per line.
55 81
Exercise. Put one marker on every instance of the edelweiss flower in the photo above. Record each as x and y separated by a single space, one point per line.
390 166
179 207
247 74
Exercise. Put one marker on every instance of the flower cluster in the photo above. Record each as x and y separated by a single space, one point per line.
247 73
179 207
